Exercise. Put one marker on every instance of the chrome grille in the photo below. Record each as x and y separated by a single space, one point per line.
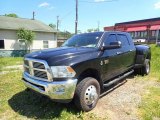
38 65
41 74
38 69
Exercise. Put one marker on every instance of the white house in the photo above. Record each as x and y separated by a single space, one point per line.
45 36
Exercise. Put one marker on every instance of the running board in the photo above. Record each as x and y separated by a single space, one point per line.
118 79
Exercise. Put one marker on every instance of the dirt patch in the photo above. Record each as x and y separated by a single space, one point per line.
122 103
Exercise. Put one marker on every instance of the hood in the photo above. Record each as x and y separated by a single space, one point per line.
63 55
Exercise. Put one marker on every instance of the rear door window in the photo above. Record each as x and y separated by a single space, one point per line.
124 40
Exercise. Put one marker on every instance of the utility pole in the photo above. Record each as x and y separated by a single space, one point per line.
157 35
33 15
57 23
98 23
76 21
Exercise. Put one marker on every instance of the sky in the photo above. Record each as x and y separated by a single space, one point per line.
91 12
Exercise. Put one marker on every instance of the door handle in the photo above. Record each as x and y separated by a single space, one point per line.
118 53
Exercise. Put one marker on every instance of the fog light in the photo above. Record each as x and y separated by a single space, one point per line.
60 89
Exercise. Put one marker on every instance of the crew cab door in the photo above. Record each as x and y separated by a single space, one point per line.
128 52
111 59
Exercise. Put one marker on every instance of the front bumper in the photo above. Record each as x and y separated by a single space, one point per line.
60 91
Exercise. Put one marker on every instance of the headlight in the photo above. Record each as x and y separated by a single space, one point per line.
62 71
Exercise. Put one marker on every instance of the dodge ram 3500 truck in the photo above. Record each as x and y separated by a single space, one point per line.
83 66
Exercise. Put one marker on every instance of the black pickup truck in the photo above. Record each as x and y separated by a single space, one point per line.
83 66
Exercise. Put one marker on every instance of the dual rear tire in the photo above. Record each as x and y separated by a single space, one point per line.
145 69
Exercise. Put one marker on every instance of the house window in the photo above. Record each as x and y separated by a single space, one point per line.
135 34
132 34
45 44
142 34
145 34
138 34
153 33
1 44
22 44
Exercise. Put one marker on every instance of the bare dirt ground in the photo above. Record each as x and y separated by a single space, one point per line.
123 101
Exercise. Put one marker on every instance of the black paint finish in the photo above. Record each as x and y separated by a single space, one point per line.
107 63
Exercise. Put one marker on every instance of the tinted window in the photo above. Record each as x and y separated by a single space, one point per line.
1 44
83 40
110 38
123 39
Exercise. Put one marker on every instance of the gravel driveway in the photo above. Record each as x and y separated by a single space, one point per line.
122 102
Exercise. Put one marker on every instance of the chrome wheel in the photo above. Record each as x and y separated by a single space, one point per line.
90 95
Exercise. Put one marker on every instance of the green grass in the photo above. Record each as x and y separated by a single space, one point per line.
8 61
150 105
18 103
155 62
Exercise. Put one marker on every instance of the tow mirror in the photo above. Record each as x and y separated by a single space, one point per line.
112 45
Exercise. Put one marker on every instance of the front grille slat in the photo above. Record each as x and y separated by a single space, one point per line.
38 65
39 73
38 69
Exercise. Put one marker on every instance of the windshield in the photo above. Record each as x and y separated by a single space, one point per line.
83 40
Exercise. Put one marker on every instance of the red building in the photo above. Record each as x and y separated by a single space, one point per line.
147 29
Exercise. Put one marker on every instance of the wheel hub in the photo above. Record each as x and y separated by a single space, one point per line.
147 67
90 95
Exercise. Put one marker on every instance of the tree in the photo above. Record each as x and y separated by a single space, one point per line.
11 15
65 34
27 36
79 31
92 30
52 26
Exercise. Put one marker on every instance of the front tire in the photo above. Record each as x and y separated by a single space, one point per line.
87 94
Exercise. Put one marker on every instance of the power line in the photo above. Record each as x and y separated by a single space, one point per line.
59 20
98 1
66 15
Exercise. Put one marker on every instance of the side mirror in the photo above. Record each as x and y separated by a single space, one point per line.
112 45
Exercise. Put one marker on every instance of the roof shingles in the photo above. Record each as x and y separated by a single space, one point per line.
17 23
